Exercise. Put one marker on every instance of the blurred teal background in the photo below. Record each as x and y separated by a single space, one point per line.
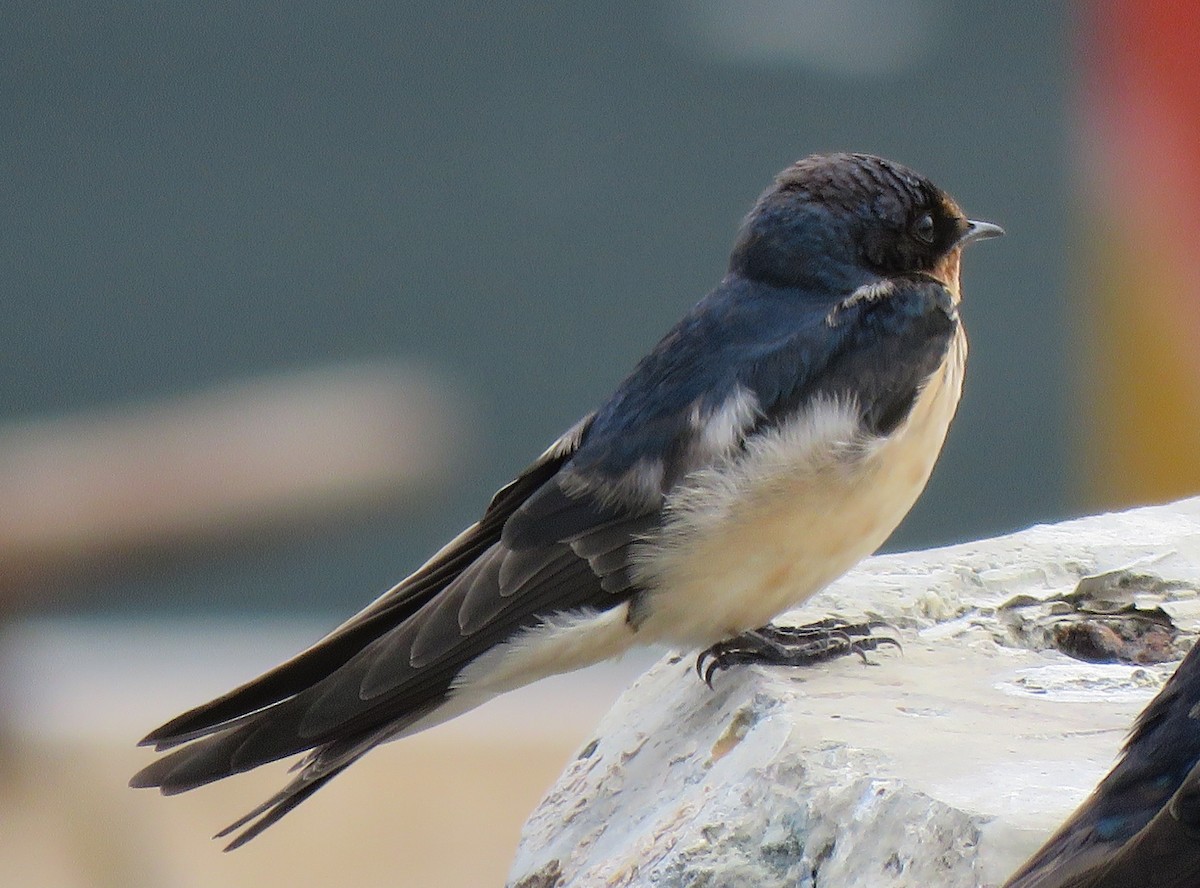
517 198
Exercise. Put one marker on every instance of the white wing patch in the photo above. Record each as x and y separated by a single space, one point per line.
640 483
721 430
567 441
718 432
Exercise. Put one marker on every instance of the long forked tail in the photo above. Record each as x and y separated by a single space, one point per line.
211 759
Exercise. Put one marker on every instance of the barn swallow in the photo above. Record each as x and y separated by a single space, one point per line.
773 438
1140 828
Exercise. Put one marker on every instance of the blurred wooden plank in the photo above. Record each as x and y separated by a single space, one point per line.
218 464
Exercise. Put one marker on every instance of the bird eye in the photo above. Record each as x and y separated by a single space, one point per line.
923 229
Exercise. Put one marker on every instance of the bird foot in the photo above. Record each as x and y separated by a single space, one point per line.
805 645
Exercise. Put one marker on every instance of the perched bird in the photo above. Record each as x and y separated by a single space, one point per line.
773 438
1141 826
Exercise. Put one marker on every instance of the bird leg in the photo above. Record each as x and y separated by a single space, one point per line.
773 645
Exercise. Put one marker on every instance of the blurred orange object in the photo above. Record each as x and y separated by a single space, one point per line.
1141 292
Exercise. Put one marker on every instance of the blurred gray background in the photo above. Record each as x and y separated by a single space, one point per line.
519 199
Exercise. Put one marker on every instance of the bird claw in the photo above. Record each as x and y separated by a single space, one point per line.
805 645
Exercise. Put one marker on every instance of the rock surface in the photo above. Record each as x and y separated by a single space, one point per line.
944 765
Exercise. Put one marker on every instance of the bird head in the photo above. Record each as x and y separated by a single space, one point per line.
842 220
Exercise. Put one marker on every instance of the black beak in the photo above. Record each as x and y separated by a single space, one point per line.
979 231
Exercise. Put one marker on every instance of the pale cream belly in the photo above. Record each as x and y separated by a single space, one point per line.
797 511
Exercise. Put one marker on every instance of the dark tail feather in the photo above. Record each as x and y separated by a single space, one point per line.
235 750
193 766
270 811
244 746
316 770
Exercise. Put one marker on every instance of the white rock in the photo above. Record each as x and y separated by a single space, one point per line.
943 766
